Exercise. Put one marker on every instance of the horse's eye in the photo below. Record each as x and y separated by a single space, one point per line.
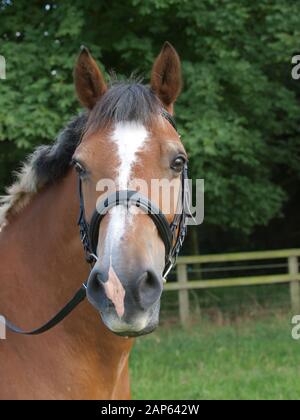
79 168
178 164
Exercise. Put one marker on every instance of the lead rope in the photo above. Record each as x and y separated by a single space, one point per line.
79 296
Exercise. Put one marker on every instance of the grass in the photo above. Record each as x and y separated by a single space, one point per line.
248 359
231 302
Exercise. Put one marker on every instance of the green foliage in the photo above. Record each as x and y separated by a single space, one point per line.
238 113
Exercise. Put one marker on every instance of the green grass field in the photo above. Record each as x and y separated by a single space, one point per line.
249 359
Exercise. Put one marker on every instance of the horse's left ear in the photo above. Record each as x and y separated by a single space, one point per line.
166 79
89 81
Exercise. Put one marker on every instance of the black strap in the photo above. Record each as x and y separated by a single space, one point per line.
169 118
84 227
62 314
130 197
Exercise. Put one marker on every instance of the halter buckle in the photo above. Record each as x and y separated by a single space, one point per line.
91 258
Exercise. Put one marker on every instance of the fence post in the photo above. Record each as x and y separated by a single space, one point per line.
184 305
294 285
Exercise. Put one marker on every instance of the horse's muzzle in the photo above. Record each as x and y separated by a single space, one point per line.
128 307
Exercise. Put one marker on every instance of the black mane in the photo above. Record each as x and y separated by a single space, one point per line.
52 162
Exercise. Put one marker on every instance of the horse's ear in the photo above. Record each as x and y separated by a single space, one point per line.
89 81
166 79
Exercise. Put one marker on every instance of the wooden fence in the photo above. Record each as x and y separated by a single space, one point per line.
183 285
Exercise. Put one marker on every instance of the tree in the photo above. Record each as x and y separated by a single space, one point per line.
238 113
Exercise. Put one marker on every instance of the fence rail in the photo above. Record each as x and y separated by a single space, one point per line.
183 284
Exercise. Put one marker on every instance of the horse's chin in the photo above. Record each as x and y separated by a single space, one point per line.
137 328
133 334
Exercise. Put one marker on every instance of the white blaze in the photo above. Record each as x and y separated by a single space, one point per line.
130 138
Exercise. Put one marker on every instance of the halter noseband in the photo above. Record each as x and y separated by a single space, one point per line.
172 235
128 198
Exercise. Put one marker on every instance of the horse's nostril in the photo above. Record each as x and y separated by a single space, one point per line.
99 279
95 288
146 282
96 279
94 282
149 289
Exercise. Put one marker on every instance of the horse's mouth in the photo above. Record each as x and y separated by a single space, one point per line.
135 329
133 334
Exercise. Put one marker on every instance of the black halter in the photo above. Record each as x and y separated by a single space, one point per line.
172 235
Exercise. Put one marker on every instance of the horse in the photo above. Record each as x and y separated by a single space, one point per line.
125 132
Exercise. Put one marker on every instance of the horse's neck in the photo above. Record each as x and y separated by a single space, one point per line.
40 248
43 263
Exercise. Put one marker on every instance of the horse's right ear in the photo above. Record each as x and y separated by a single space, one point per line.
89 81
